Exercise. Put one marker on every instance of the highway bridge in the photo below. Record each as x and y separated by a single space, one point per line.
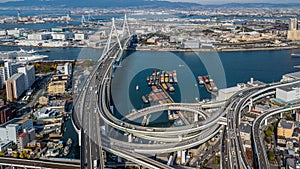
94 109
25 163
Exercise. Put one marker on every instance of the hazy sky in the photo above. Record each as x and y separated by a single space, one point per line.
217 1
239 1
8 0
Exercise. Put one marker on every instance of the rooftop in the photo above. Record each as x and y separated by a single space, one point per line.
13 122
245 128
230 90
22 135
295 75
290 87
22 121
16 76
286 124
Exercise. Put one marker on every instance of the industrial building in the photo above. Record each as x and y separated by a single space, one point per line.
191 44
289 93
13 128
224 94
39 36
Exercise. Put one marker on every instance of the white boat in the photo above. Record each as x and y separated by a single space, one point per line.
137 87
21 56
295 55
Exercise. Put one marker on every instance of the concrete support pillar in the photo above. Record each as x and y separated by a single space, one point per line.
281 115
119 159
79 139
179 153
266 122
250 104
196 117
183 157
180 137
130 138
106 128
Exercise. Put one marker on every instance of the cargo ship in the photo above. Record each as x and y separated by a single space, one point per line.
164 86
206 79
175 76
213 86
200 79
145 99
170 87
171 80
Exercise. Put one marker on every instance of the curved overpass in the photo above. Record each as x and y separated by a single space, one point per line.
162 107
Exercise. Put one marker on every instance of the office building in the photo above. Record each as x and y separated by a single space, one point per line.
15 86
293 32
3 75
13 128
29 73
11 68
6 114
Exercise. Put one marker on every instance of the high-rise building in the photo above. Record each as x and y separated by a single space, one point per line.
3 75
11 68
5 114
29 73
15 86
293 24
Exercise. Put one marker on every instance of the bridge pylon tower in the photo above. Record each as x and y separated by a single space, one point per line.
125 27
113 32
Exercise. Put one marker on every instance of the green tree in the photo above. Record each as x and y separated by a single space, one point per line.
268 133
271 155
272 128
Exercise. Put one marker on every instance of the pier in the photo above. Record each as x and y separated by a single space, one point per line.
160 82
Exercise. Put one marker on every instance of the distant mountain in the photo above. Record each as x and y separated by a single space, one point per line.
100 3
136 4
255 5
